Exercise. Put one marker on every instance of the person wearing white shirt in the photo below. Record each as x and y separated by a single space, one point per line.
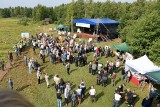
117 65
56 81
39 76
47 79
30 67
66 95
117 98
92 93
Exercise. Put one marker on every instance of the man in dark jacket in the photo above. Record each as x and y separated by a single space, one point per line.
146 102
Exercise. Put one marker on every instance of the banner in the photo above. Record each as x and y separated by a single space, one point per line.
25 35
83 25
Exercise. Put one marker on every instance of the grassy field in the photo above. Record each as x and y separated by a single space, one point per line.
10 33
40 95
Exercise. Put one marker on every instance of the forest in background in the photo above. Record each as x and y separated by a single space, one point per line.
139 21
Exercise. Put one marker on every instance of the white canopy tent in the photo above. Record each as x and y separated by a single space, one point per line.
142 65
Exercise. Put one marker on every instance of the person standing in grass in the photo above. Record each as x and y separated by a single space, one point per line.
113 77
74 99
117 98
39 76
76 61
92 93
66 95
79 91
10 83
68 67
83 87
47 79
90 67
59 98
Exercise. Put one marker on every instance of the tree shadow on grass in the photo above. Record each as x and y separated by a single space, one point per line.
99 95
22 88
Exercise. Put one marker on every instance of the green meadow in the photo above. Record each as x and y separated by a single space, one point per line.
40 95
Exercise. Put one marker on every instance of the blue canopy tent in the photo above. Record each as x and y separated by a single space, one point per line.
98 26
104 21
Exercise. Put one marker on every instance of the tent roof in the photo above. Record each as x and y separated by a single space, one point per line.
60 26
154 76
105 21
122 47
142 65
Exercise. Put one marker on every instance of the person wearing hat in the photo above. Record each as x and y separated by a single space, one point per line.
59 98
92 93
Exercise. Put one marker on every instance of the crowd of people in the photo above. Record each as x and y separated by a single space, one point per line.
67 51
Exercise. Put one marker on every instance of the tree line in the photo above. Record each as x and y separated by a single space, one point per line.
139 21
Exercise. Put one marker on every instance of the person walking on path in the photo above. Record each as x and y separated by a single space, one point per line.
92 93
10 57
59 98
30 67
47 79
25 60
10 83
68 68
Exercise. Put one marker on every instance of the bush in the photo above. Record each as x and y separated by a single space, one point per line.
24 21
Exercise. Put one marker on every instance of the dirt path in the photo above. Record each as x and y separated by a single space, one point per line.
6 69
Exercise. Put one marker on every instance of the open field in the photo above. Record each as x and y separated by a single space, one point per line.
26 83
10 32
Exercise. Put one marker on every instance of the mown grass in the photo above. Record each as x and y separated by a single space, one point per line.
41 96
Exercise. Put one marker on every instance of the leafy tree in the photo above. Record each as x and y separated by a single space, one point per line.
143 33
5 13
69 14
154 52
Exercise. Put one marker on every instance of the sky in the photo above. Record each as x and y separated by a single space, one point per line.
48 3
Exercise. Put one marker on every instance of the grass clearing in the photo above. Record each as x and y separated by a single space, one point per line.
40 95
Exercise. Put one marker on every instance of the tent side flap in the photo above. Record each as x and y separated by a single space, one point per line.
154 76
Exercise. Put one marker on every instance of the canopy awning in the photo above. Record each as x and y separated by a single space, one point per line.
104 21
122 47
142 65
154 76
60 27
